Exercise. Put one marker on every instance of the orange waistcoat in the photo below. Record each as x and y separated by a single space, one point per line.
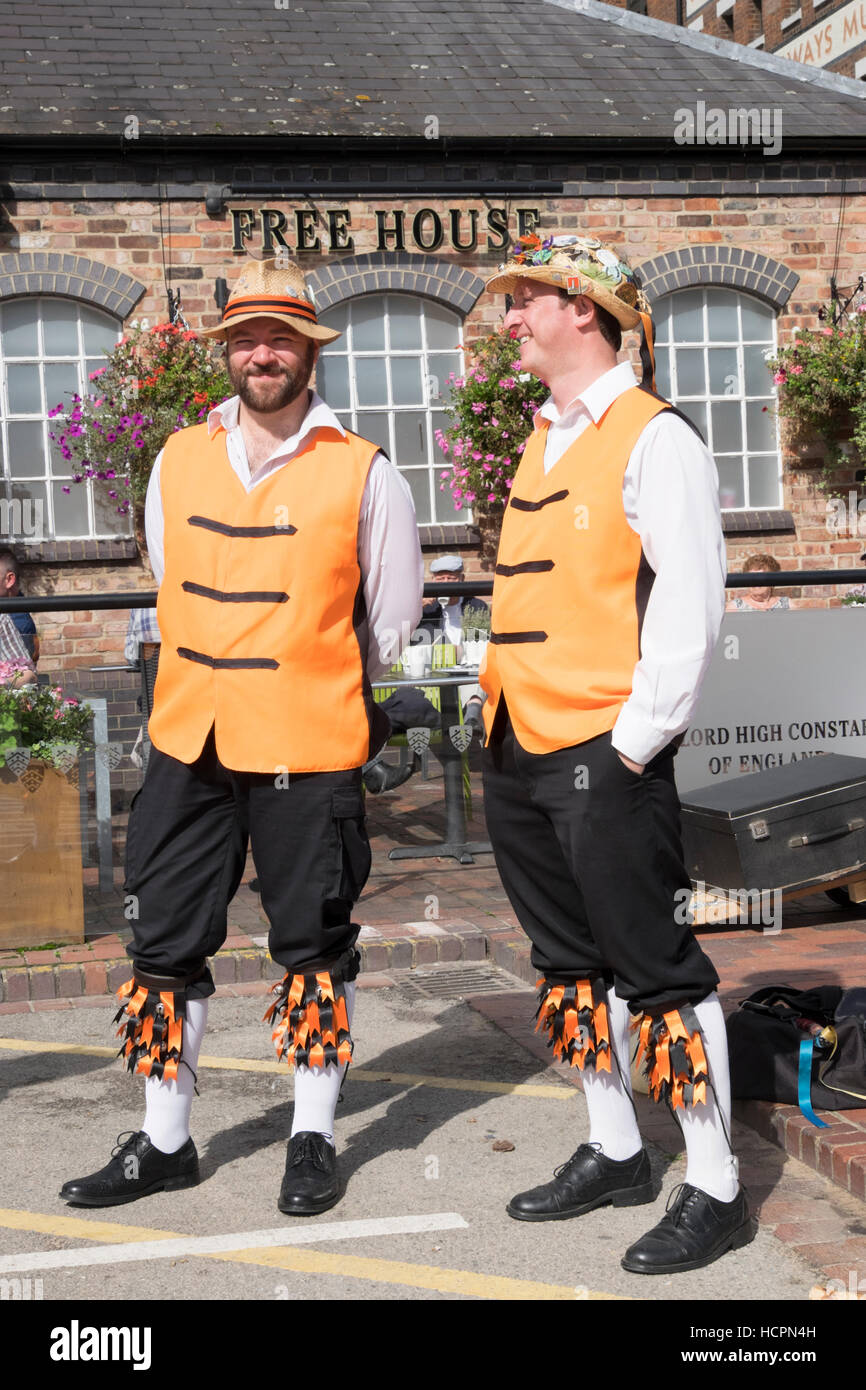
261 608
570 586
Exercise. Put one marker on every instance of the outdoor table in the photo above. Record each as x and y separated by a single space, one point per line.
455 845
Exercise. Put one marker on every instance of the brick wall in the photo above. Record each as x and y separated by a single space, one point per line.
786 209
750 18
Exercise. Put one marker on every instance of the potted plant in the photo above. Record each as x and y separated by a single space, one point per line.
491 407
155 382
821 378
42 733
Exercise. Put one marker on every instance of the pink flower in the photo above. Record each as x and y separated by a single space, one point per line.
795 371
508 482
780 378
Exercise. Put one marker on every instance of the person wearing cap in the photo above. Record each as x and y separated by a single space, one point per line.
287 556
608 597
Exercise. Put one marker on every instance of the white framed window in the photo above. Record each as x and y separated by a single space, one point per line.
386 379
48 348
711 349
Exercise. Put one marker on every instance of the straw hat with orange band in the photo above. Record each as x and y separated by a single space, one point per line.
277 291
582 265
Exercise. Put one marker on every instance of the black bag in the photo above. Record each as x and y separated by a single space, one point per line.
764 1039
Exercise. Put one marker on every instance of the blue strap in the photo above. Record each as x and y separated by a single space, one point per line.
804 1084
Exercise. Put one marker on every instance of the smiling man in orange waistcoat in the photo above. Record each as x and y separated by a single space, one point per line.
288 556
608 597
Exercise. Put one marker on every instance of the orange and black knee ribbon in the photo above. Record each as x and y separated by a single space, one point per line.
311 1025
674 1062
151 1021
575 1017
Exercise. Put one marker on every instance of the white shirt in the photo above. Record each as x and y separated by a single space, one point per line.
670 495
392 567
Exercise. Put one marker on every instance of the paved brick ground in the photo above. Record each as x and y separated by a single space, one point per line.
420 913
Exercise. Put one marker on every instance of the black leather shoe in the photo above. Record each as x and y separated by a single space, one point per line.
695 1230
589 1179
310 1184
136 1169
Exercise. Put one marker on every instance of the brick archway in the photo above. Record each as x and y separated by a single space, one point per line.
719 265
74 277
379 271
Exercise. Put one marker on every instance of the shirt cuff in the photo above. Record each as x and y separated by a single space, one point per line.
636 739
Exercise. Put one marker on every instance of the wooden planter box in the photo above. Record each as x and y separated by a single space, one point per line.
41 894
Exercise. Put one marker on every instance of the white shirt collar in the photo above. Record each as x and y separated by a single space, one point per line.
595 399
319 416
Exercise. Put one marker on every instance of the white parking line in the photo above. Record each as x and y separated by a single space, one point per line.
242 1240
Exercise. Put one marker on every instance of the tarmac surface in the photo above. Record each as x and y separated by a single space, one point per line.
416 1132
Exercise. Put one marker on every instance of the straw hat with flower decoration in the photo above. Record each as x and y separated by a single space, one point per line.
275 289
582 265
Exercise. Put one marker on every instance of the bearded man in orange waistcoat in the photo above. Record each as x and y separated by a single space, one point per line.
287 553
608 598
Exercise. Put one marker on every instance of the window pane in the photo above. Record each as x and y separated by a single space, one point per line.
371 380
368 324
763 482
688 316
724 379
410 437
663 372
59 466
33 509
731 490
336 318
697 413
691 380
443 326
60 328
93 364
26 456
441 365
332 380
757 321
100 334
405 322
70 509
758 378
25 397
61 384
662 321
722 326
107 518
406 387
19 329
727 427
373 425
419 484
760 427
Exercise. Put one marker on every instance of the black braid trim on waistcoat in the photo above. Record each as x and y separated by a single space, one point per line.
513 638
230 663
526 567
236 596
245 532
521 505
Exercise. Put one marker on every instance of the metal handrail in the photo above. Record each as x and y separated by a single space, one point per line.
469 588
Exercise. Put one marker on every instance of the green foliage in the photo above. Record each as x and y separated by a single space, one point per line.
43 720
822 384
492 409
155 382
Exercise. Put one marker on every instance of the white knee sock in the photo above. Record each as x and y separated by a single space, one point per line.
168 1103
317 1089
608 1094
711 1165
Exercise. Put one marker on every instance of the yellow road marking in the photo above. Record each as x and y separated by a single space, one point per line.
556 1091
306 1261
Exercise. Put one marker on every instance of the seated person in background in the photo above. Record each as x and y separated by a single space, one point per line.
757 600
10 574
408 707
141 630
16 665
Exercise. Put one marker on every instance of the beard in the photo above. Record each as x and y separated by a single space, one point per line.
269 391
